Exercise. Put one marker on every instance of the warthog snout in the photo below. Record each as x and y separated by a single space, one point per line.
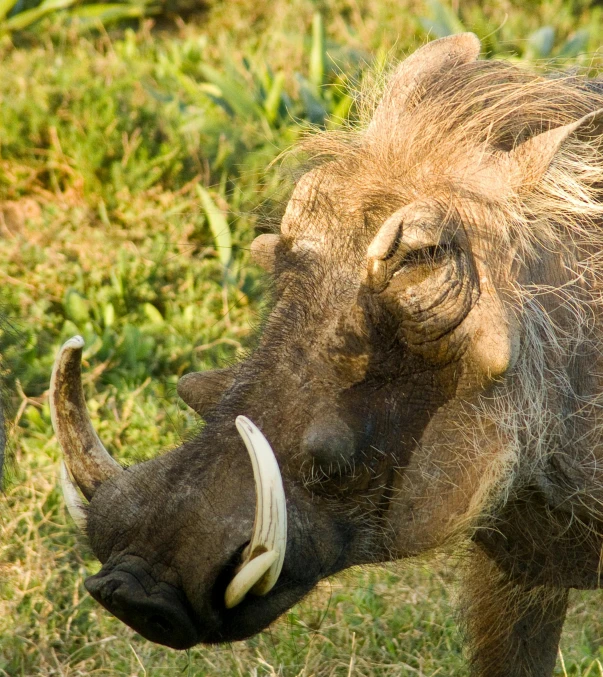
158 612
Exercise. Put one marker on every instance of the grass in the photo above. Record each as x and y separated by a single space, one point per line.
134 173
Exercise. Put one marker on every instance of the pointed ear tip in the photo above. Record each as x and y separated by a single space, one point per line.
452 49
588 125
184 384
472 40
597 115
263 248
531 158
465 42
469 43
265 240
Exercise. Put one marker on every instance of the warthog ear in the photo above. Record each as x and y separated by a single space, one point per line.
263 250
529 161
202 390
434 57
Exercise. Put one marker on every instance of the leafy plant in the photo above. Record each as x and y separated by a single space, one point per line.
542 43
16 16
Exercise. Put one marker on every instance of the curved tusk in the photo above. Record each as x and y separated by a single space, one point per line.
251 573
270 524
87 459
73 501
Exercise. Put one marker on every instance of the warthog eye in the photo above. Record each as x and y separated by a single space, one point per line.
431 293
419 235
431 256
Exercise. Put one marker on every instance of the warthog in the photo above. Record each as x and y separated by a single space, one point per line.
429 375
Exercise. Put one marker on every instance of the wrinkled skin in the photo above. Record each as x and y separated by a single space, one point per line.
393 322
197 553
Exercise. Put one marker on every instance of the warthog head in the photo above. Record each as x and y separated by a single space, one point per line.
386 380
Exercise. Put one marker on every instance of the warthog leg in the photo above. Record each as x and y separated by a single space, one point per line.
512 630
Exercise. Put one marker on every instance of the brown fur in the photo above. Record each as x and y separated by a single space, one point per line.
512 630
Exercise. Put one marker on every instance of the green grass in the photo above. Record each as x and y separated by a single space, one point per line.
134 173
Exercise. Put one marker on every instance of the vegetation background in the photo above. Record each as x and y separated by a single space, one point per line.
136 143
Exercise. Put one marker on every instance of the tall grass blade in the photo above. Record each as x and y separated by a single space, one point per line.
6 6
107 12
540 43
318 55
442 22
234 92
274 98
314 110
577 44
30 16
218 225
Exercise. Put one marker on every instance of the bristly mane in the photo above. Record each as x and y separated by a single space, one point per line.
450 117
422 148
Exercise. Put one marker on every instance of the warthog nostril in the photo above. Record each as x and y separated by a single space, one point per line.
156 610
161 623
329 441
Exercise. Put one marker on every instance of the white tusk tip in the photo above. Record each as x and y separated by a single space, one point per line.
270 523
74 343
247 577
73 501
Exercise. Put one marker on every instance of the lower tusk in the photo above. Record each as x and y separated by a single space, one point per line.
270 524
73 501
269 534
248 575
